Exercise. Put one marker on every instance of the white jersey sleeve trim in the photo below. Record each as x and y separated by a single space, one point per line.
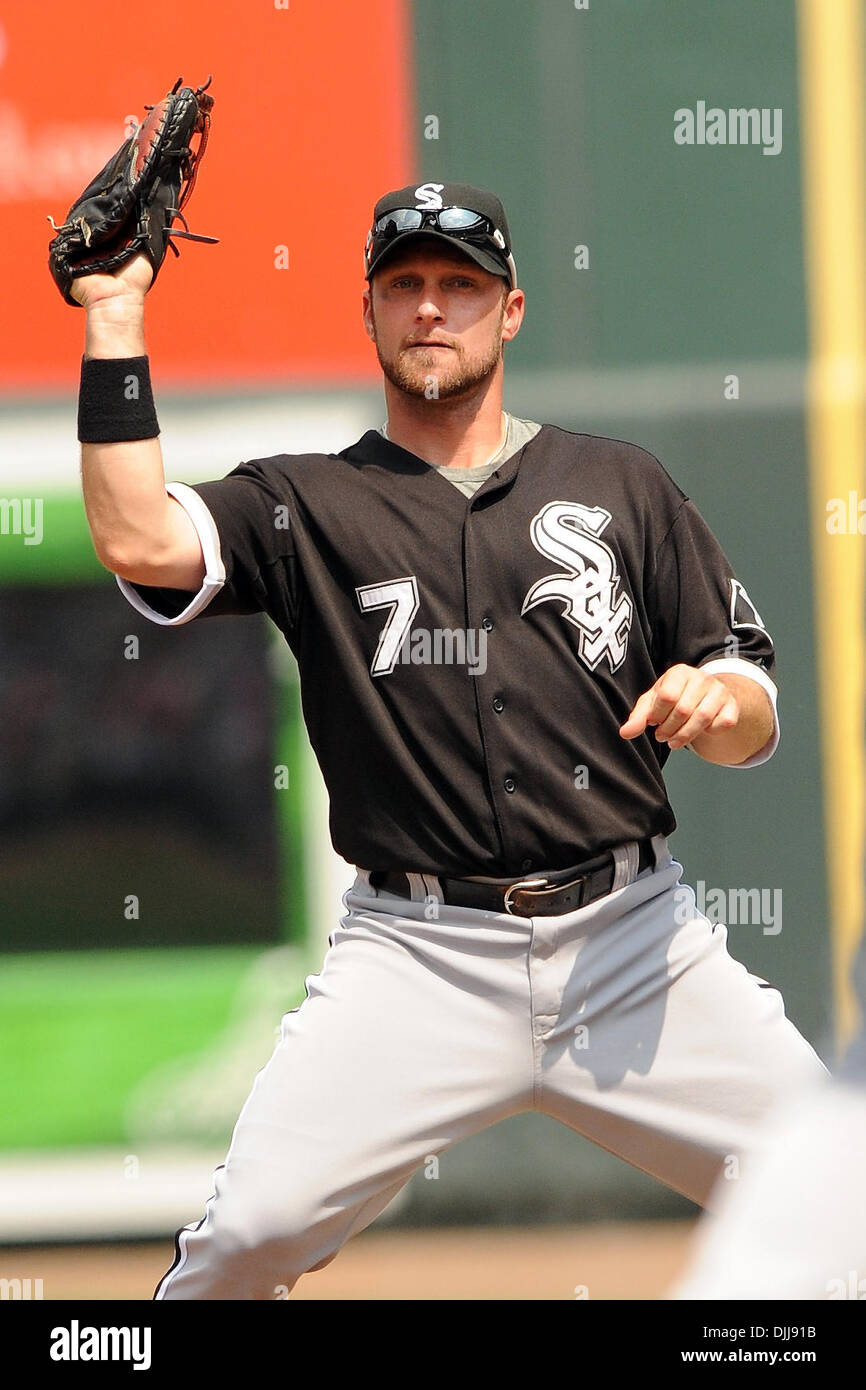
737 666
215 573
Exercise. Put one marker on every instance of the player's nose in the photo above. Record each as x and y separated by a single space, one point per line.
429 308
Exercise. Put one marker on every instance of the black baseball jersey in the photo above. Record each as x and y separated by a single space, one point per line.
465 664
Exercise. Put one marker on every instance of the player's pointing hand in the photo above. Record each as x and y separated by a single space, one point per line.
683 703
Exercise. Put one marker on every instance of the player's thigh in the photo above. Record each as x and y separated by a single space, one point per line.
396 1052
684 1051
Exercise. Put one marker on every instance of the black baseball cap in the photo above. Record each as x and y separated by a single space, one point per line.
443 211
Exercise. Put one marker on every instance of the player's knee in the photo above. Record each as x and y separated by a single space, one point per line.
281 1234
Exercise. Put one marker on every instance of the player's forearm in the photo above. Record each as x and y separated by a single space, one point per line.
123 483
753 729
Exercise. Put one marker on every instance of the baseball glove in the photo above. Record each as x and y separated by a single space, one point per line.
132 204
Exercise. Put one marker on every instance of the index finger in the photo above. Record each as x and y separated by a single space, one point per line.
649 708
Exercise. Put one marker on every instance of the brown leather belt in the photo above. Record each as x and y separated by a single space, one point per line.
545 895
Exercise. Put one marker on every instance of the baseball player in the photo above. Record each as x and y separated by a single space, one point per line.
503 629
795 1227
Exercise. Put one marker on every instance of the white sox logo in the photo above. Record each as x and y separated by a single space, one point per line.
429 197
569 533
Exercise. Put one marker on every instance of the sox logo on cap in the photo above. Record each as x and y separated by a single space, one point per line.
429 197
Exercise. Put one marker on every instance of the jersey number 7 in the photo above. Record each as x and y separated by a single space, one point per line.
401 596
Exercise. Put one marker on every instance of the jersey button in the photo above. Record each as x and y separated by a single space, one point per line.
499 704
526 866
510 785
487 624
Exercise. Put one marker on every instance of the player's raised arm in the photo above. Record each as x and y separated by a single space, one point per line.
105 257
138 530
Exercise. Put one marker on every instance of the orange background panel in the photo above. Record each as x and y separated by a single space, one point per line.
311 123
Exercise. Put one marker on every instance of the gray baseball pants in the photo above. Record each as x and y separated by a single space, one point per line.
626 1019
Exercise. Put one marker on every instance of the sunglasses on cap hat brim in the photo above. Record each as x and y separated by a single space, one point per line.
475 232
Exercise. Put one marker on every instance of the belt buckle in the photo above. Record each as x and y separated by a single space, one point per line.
538 883
522 883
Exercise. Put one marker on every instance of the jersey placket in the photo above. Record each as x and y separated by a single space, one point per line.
491 695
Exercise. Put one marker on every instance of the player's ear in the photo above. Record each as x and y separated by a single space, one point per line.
512 317
367 310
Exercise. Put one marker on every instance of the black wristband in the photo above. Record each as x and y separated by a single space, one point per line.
115 400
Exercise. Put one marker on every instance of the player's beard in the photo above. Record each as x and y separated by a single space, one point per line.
437 375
